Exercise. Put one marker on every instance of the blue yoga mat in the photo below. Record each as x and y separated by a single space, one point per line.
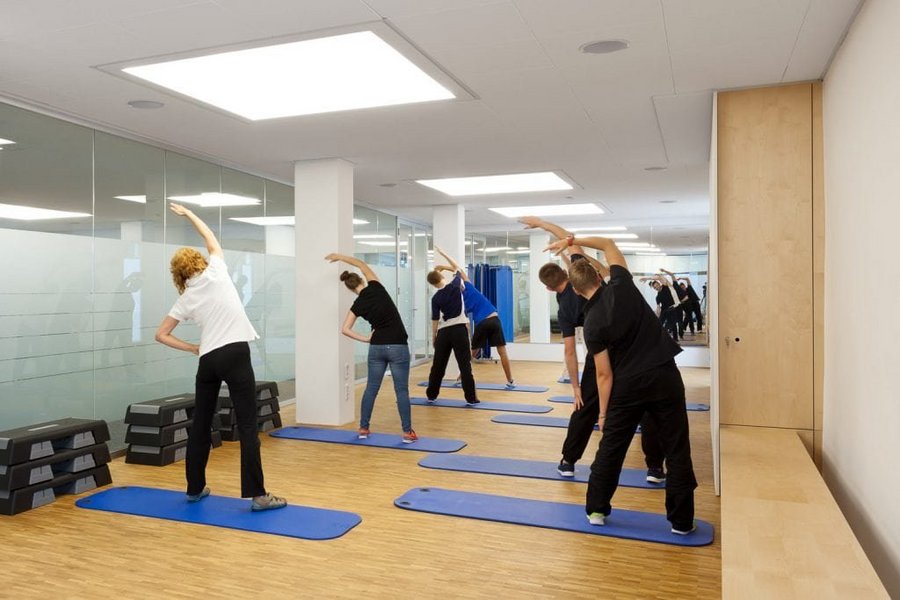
448 383
535 469
539 421
571 399
505 406
219 511
378 440
567 379
626 524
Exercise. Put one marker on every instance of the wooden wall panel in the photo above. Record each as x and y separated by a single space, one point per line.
818 190
765 257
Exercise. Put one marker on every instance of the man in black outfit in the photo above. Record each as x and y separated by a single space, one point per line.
636 374
692 308
450 332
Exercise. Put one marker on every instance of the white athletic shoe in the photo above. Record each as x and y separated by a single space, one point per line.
597 519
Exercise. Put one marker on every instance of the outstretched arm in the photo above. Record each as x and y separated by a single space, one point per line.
607 246
209 238
599 266
551 228
453 264
687 279
367 271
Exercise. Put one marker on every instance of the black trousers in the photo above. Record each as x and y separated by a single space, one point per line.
231 364
669 320
582 421
659 393
453 339
698 314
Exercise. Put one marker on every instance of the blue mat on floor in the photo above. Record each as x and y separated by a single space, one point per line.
570 399
378 440
567 379
626 524
539 421
219 511
506 406
448 383
534 469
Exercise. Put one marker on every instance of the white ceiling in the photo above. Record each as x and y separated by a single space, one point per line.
540 103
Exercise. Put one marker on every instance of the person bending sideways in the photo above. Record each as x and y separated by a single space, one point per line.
587 402
450 332
388 345
488 329
636 374
208 297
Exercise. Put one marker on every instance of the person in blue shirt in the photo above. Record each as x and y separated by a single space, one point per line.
488 328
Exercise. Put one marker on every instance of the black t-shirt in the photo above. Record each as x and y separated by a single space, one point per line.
619 320
571 307
664 298
692 294
375 305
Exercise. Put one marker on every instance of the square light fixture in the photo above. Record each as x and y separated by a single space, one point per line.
550 210
499 184
138 199
216 199
31 213
311 76
265 221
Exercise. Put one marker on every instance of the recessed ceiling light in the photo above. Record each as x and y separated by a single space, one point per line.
4 142
604 46
550 210
497 248
146 104
215 199
265 221
322 75
31 213
668 201
598 229
373 236
658 168
498 184
518 251
138 199
360 222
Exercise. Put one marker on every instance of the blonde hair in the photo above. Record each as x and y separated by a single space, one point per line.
186 262
584 276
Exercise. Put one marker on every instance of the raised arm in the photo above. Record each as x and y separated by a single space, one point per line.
367 271
209 238
551 228
599 266
687 279
670 274
453 264
612 253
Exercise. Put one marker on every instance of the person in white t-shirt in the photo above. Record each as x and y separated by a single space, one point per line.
208 297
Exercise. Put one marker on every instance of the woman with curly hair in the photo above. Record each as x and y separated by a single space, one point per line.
388 345
208 297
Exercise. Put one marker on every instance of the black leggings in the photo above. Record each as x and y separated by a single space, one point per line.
231 364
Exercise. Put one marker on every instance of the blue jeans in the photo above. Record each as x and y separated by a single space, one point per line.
380 356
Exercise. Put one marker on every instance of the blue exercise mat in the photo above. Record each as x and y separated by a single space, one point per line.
505 406
219 511
566 379
378 440
539 421
626 524
571 399
534 469
448 383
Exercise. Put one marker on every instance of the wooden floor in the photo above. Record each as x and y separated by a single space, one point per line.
59 551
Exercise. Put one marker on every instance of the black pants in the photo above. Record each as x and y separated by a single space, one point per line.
230 364
669 320
582 421
698 314
453 339
659 393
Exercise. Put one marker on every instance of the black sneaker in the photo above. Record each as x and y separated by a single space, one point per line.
473 402
656 476
566 469
687 531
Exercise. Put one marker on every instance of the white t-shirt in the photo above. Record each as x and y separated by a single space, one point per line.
212 302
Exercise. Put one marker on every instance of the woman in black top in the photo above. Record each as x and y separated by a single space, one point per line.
387 345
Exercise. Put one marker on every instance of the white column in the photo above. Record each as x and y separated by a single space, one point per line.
539 302
323 205
449 228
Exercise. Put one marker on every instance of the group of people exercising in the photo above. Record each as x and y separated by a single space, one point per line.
630 376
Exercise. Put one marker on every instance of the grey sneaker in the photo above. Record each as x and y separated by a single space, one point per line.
197 497
267 502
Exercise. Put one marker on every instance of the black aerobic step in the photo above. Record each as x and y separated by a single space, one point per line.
263 423
44 439
33 496
263 408
144 435
45 469
161 412
160 456
264 391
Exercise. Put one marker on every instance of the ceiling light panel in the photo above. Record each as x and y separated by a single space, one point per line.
321 75
4 142
30 213
216 199
551 210
265 221
138 199
498 184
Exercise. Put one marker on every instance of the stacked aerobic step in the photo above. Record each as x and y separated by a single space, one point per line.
267 410
67 456
158 430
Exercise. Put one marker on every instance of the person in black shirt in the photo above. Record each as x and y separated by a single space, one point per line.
636 374
586 399
387 345
692 308
665 304
450 332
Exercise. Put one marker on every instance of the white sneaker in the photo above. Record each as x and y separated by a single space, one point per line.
598 519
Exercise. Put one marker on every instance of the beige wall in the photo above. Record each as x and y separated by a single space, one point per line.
862 333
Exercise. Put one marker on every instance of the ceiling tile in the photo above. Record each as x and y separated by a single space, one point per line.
392 9
686 125
824 27
488 25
